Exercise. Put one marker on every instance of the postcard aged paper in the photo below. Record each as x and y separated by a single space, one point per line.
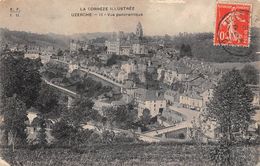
137 82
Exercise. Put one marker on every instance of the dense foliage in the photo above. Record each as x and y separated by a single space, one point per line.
250 74
20 76
121 117
14 124
203 48
231 107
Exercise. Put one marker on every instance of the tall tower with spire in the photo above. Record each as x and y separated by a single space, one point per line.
139 30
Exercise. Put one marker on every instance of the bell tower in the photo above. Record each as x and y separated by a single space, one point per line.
139 30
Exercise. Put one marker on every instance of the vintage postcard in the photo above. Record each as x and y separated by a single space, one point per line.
137 82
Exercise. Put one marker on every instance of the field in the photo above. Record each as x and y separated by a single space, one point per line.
124 154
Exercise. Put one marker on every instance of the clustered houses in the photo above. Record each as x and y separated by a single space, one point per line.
34 51
198 93
73 67
171 96
148 99
196 78
122 73
132 67
156 104
196 100
172 72
127 44
76 45
191 100
126 69
111 99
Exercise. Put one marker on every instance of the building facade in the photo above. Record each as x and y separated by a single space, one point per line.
122 44
191 101
148 99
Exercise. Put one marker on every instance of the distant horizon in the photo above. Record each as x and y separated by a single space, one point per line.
105 32
82 33
157 19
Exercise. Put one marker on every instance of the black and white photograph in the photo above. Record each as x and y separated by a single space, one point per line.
130 83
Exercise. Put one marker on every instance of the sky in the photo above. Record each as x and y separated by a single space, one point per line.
159 16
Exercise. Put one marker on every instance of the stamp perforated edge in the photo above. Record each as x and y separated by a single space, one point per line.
249 29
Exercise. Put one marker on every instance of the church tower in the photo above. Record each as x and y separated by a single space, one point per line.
139 30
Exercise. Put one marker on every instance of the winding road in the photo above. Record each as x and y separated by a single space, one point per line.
189 116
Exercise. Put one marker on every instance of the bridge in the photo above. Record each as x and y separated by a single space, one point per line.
64 90
93 73
68 92
164 130
102 77
189 116
140 136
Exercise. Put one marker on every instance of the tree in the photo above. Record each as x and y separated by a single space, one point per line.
231 110
151 79
162 76
145 117
14 124
69 129
122 116
167 39
250 74
108 136
60 53
197 130
112 60
67 134
26 48
20 76
185 50
134 77
231 106
41 137
177 86
46 103
48 99
6 47
80 112
63 132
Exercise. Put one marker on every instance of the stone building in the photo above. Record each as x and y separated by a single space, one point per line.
148 99
127 44
192 101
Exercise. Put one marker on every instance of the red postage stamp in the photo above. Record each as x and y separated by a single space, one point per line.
232 26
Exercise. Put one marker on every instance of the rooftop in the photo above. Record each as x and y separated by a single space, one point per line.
192 94
150 95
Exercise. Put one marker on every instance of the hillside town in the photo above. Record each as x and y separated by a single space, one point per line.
175 90
135 88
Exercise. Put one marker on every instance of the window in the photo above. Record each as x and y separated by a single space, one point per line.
160 110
